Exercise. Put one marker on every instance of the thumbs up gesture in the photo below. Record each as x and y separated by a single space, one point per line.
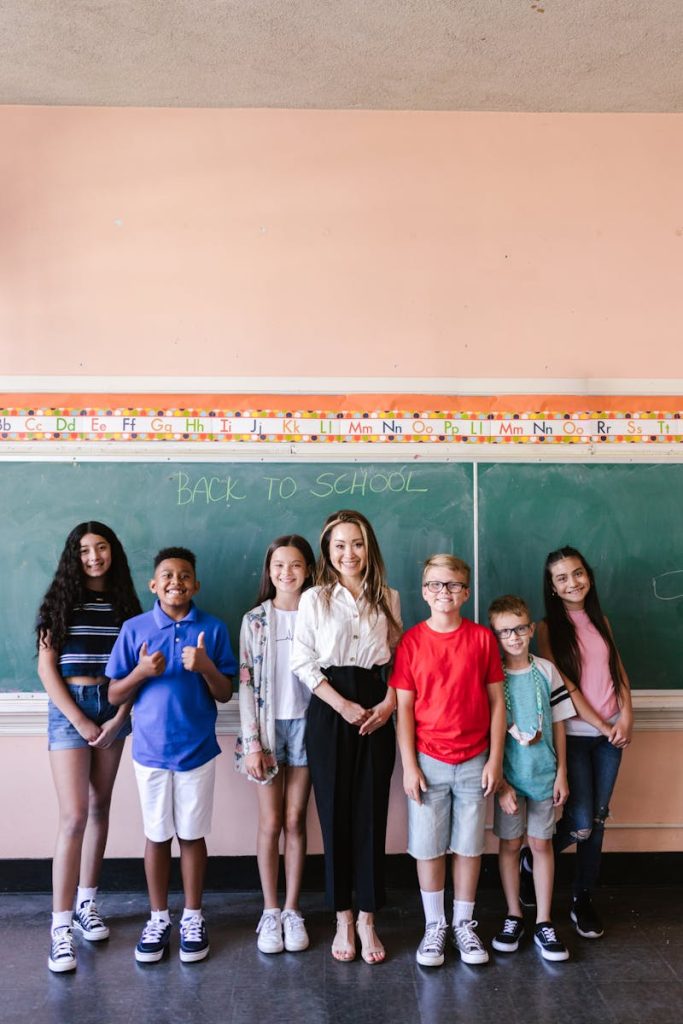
195 659
151 664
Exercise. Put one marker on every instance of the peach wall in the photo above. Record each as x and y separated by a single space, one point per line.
29 803
359 243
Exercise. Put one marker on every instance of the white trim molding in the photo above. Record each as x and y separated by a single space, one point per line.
25 714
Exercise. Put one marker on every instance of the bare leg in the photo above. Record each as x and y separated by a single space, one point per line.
544 872
297 792
465 877
193 869
431 874
71 774
508 866
270 816
103 769
372 950
158 872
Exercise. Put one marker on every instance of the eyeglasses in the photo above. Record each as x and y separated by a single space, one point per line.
505 634
436 586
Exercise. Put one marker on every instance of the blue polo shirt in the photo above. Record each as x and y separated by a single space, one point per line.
174 718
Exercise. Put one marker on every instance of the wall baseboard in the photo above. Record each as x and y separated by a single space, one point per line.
240 874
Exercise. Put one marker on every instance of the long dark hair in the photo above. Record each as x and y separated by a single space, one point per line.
66 589
375 585
292 540
561 629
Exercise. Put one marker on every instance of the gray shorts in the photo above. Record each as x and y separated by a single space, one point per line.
535 817
452 815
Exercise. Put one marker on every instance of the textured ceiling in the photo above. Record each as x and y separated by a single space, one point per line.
507 55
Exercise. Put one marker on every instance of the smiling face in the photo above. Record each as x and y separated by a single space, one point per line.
95 554
445 602
288 571
571 582
175 584
348 553
515 647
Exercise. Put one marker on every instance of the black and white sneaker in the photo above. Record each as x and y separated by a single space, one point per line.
153 943
584 916
547 941
194 941
507 939
430 952
62 956
527 891
88 921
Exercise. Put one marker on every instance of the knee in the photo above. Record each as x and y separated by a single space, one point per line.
98 808
540 846
581 835
72 823
295 824
511 847
270 825
601 816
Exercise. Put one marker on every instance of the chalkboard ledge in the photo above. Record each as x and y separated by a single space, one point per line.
25 713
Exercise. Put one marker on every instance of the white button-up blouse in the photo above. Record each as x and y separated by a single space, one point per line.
345 633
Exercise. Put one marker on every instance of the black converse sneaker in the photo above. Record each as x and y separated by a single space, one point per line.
584 916
153 942
62 956
89 923
547 941
507 939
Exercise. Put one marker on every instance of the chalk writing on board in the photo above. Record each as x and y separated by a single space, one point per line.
224 490
668 586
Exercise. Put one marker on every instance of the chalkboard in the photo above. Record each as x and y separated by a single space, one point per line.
625 518
228 514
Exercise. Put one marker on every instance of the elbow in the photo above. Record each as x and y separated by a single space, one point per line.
114 695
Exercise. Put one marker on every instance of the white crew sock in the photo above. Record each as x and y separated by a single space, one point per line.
433 906
462 911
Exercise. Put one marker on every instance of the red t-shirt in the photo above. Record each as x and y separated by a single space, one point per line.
449 673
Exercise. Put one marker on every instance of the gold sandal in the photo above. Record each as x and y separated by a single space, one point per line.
344 943
371 949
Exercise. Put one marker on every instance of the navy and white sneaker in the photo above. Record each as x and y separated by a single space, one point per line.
194 940
88 921
62 956
547 941
507 939
153 943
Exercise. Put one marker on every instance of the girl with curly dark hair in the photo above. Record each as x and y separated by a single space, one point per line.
91 595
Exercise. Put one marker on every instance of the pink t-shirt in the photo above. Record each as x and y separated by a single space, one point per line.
597 685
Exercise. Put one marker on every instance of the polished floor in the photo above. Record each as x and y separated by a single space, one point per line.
634 975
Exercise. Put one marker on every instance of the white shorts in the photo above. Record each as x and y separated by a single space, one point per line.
176 803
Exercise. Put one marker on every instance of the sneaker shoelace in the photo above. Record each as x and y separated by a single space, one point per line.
292 922
62 942
467 936
433 938
509 926
548 934
153 931
90 916
191 928
268 923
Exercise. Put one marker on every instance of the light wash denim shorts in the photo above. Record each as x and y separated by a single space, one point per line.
290 742
92 699
535 817
452 815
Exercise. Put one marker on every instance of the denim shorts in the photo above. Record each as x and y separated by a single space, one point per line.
92 699
290 742
452 815
535 817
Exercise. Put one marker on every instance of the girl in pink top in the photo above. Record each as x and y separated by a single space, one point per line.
577 637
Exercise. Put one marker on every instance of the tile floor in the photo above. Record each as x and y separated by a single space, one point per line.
634 975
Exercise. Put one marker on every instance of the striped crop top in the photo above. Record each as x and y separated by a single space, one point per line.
92 632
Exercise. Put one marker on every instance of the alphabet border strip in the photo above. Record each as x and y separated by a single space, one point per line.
396 426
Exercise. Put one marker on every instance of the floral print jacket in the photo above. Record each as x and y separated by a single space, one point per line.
257 716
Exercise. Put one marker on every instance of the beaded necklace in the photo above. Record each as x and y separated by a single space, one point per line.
526 739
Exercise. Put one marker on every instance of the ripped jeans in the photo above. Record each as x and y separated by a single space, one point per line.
592 768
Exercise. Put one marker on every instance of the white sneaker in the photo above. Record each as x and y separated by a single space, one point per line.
468 943
296 936
430 952
88 921
62 956
270 933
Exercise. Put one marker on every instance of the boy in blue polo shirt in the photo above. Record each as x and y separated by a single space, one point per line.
174 663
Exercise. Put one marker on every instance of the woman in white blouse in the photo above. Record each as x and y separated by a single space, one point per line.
346 629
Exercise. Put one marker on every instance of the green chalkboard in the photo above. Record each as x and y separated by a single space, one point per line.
626 520
228 514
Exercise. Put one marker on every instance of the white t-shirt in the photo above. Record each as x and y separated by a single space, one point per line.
290 696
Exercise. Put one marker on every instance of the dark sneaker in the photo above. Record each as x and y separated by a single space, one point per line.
194 941
547 941
507 939
62 956
89 923
527 892
430 952
582 913
153 943
468 943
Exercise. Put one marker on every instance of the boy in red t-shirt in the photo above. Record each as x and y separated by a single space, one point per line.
451 733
